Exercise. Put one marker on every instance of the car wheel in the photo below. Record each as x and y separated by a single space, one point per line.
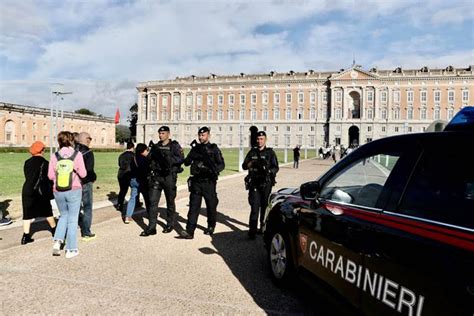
280 260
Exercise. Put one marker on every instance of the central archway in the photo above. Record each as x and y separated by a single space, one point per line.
354 136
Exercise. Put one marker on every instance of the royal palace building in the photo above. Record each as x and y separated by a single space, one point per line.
310 109
22 125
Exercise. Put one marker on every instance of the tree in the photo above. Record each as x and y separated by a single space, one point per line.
132 119
122 134
84 111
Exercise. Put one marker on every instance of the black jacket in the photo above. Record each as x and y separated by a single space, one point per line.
206 160
262 166
139 169
124 161
88 156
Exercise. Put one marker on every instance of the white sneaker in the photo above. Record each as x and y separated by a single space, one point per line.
57 248
71 253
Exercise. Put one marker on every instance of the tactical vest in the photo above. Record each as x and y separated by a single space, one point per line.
161 163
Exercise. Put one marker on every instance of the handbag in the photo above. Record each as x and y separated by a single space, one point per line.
44 188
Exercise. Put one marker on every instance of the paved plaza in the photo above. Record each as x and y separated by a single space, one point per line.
120 272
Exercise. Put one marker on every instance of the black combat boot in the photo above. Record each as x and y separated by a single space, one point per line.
26 239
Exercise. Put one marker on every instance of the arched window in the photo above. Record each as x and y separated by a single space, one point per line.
10 132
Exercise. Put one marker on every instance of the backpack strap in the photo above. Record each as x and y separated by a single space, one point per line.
73 156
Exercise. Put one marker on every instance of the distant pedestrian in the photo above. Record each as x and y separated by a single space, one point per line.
140 169
124 173
37 191
296 157
85 217
320 153
336 153
66 169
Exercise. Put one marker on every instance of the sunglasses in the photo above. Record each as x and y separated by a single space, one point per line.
89 138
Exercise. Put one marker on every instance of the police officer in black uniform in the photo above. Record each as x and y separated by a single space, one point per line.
165 163
262 164
206 163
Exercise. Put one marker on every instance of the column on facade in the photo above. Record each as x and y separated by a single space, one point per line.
332 103
376 102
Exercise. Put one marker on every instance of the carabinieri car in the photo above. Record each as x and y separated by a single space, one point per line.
390 227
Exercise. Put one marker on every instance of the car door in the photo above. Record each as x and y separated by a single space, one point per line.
333 230
423 256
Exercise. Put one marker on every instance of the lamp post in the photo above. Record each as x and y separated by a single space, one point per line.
57 91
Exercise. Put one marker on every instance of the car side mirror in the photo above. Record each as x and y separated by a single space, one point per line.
310 190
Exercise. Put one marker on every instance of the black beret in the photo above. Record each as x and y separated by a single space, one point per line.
203 130
164 128
261 133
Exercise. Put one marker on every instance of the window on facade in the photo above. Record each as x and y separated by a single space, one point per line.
338 96
220 99
437 96
465 95
370 96
276 98
176 115
288 128
383 128
210 100
370 113
338 128
396 129
369 128
423 114
300 128
276 114
231 99
325 114
189 114
231 115
311 141
164 100
287 140
436 113
229 140
383 114
242 114
288 114
396 96
34 125
312 113
220 115
300 140
199 100
288 97
265 115
450 96
254 114
312 97
300 97
276 128
275 140
300 114
265 98
264 128
23 137
383 96
410 129
176 100
396 114
423 96
189 100
199 115
153 100
410 96
410 113
338 114
325 96
242 99
450 113
312 129
253 98
209 115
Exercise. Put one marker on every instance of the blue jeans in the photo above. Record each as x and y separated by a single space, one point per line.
85 218
69 204
133 196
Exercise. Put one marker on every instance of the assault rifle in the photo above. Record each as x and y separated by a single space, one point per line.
204 157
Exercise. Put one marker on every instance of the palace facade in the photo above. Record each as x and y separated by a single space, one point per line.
22 125
310 109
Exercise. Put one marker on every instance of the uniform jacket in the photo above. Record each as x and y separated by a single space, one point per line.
206 161
262 166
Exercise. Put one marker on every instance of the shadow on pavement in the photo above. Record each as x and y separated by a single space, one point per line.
4 205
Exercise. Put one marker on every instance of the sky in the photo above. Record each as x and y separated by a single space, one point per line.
101 49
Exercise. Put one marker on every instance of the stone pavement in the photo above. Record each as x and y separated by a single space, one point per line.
120 272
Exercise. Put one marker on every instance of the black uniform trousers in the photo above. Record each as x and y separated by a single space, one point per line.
168 185
258 200
124 183
199 188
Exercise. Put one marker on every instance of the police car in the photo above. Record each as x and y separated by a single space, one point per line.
390 227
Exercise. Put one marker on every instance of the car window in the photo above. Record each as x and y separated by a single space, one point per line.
362 182
442 187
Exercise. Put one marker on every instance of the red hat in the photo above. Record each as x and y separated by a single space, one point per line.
36 148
